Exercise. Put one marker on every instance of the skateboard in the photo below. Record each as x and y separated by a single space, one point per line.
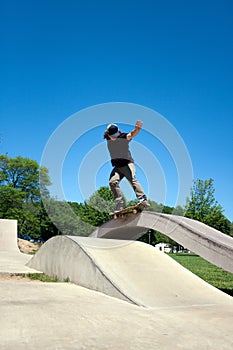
134 209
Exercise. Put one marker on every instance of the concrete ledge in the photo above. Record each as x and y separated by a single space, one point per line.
203 240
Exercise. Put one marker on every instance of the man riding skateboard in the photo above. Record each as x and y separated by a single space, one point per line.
123 163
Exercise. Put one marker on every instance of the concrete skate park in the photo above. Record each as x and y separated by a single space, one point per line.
123 293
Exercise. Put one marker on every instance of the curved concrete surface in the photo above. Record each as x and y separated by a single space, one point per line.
203 240
11 259
129 270
8 235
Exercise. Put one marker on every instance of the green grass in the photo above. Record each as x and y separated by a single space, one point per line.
43 277
210 273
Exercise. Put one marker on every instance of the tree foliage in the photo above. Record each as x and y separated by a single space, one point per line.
231 229
66 218
22 174
202 206
20 192
96 210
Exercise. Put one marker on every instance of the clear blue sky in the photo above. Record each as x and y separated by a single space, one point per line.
174 57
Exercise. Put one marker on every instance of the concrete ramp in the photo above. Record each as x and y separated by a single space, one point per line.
11 259
8 235
128 270
203 240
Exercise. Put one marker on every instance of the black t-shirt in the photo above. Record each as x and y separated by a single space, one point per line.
119 150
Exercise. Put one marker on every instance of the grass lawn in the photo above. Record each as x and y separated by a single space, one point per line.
208 272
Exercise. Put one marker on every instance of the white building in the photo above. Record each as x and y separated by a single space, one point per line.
163 247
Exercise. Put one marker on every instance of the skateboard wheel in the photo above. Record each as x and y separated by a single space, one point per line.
135 211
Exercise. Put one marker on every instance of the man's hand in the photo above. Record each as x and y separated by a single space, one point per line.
133 133
139 124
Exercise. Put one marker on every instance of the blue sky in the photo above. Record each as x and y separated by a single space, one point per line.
174 57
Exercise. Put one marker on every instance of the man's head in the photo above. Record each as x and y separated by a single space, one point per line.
113 130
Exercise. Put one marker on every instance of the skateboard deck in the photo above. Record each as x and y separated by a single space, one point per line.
134 209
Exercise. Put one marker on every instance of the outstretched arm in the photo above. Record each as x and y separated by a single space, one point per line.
134 132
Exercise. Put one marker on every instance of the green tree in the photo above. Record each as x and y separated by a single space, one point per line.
28 223
22 174
96 210
202 206
63 218
47 227
10 198
179 210
102 200
231 229
20 192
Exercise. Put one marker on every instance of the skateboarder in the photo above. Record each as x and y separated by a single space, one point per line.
123 163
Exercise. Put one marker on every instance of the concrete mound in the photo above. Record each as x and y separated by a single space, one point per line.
128 270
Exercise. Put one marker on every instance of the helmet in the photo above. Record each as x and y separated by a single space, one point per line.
113 130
